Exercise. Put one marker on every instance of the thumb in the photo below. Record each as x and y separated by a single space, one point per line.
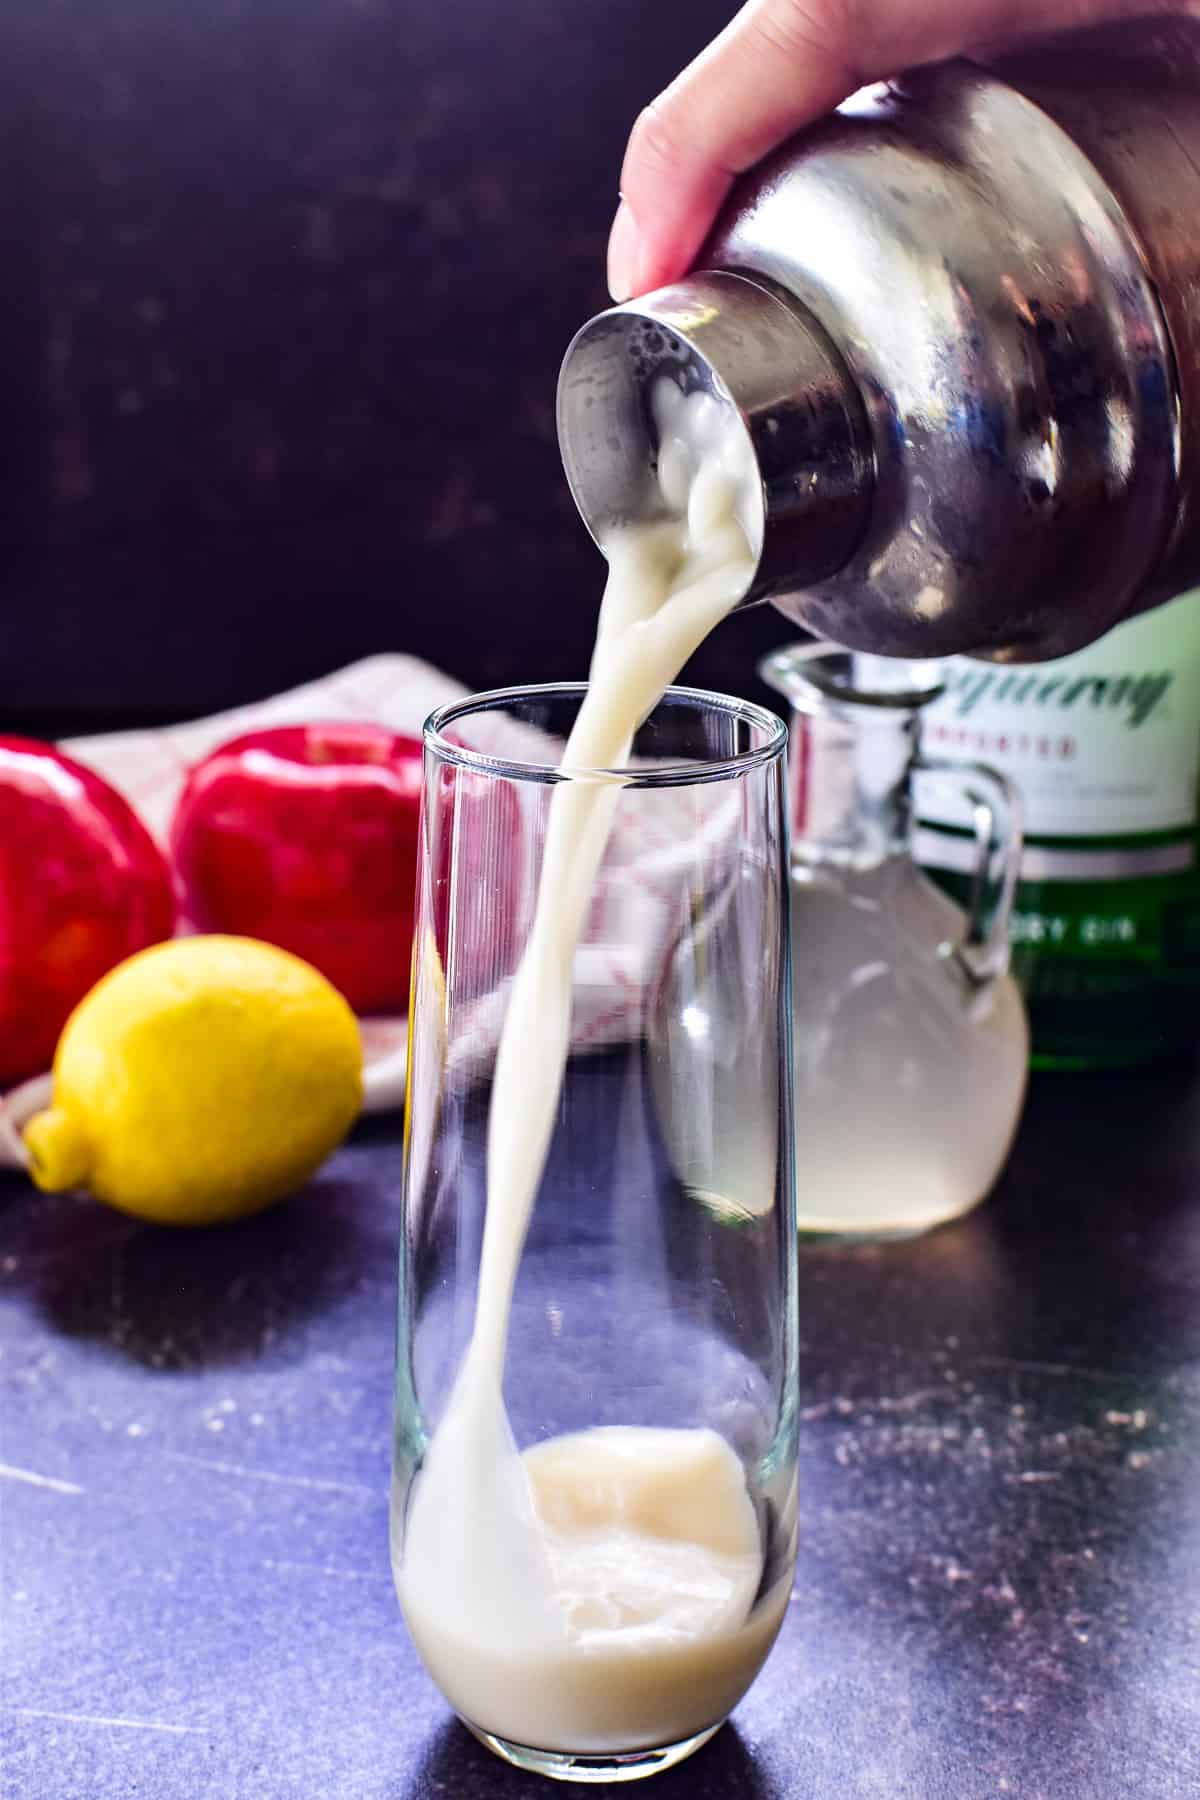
777 66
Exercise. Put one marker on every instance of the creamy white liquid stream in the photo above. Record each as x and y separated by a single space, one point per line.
595 1593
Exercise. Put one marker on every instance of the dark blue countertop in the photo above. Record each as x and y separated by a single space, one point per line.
1000 1567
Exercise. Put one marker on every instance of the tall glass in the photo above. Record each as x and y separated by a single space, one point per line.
594 1542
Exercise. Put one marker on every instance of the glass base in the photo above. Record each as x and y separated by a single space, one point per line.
630 1766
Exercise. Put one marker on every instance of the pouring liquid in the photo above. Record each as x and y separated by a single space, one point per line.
594 1594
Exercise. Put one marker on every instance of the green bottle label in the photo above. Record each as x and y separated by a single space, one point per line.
1105 749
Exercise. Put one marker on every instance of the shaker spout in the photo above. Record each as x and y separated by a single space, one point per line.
757 351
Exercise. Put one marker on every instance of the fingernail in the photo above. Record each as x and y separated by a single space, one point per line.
624 254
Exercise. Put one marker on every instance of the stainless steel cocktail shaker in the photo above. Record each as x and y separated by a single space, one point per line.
961 321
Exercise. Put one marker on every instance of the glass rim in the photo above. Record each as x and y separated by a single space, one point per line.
678 772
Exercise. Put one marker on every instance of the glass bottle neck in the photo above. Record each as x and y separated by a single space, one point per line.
851 774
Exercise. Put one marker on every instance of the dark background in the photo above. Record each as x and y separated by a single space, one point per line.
284 286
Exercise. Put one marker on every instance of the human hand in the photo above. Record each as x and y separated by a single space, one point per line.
777 66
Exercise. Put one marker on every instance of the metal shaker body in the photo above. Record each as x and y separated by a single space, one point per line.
978 420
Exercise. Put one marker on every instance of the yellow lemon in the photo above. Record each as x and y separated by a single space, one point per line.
199 1081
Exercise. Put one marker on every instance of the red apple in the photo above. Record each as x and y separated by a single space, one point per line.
306 836
82 886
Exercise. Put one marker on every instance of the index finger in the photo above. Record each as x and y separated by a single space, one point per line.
768 72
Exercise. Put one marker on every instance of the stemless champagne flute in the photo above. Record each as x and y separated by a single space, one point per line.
593 1536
